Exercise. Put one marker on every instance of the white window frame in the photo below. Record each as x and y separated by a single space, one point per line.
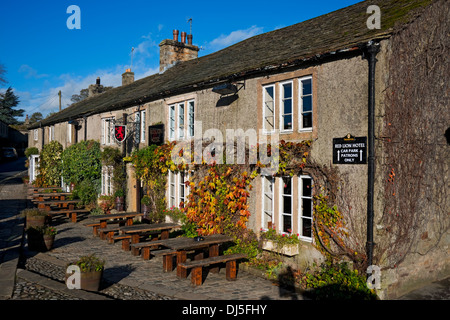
281 106
69 133
181 120
191 118
264 108
35 134
172 190
281 207
107 132
264 181
143 125
300 207
107 184
300 104
172 120
51 133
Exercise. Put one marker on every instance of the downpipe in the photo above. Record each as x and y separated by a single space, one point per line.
370 54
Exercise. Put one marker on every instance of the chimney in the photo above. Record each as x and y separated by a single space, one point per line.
95 88
172 51
127 77
175 35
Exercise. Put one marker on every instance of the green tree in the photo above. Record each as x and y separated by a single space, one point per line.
36 117
8 101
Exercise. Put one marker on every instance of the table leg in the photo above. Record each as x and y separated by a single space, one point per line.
129 221
135 239
168 262
181 257
164 234
214 252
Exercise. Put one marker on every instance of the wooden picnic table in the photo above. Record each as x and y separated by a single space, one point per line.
45 204
133 233
40 196
103 218
183 244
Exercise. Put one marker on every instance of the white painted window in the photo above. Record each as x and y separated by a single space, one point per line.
107 176
108 131
268 184
286 106
178 191
268 109
305 104
172 189
51 133
180 121
35 134
143 131
172 122
69 133
191 114
286 204
305 207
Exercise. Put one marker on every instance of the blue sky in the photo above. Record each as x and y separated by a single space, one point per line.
42 56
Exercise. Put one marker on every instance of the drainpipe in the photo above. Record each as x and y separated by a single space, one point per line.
372 50
85 128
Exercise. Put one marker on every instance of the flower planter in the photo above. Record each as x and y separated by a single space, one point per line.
119 203
89 281
36 221
288 249
48 241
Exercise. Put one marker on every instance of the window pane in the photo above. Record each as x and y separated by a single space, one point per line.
287 106
306 86
306 207
191 118
306 187
287 225
287 188
287 122
287 90
306 227
287 207
307 103
307 120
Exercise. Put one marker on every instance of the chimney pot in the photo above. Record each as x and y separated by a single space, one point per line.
183 37
98 81
189 39
175 35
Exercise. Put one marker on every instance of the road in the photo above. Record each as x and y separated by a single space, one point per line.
13 171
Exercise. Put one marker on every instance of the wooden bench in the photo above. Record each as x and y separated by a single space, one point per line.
72 214
96 225
197 266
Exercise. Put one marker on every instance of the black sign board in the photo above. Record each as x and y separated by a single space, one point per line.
350 150
120 132
156 134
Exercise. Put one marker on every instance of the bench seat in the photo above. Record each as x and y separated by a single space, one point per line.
197 266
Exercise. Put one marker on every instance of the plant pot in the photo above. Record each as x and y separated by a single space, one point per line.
119 203
145 209
287 249
90 280
48 241
36 221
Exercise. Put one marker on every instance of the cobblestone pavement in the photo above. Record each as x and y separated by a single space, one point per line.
130 277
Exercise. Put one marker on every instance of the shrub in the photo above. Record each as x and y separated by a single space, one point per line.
50 164
30 151
81 161
337 282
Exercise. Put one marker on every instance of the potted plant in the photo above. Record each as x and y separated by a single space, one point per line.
286 244
35 217
119 194
41 238
91 271
106 203
145 205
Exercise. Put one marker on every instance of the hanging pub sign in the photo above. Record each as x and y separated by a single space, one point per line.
156 134
120 132
350 150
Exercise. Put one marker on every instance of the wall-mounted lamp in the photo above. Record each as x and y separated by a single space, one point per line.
227 88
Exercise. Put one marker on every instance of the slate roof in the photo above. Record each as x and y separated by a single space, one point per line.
339 30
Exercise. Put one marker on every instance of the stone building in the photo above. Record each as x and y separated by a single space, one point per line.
318 80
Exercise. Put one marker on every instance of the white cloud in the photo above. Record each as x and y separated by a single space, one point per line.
235 36
31 72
